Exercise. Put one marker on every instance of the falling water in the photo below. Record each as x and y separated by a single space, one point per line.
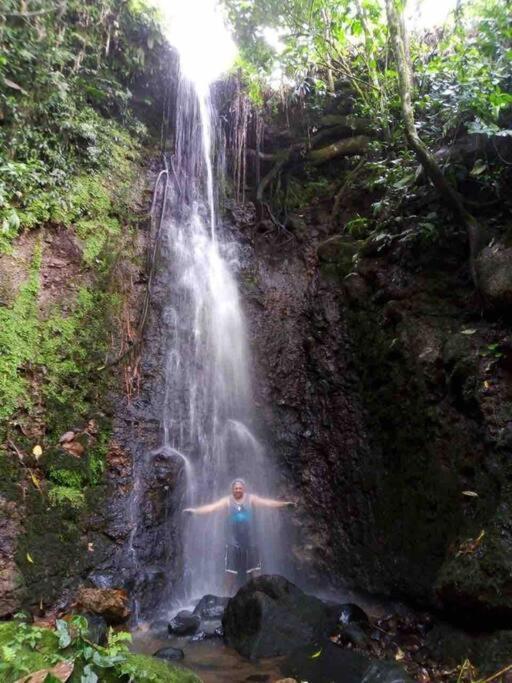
207 411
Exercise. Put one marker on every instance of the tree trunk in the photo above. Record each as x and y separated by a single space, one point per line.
426 159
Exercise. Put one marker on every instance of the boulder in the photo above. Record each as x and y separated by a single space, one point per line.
354 633
211 607
328 663
494 270
171 654
270 616
184 623
111 603
350 612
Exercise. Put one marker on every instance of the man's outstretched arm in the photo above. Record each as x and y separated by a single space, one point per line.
271 503
206 509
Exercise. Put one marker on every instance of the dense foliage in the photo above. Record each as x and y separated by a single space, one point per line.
71 74
337 56
68 651
462 68
82 88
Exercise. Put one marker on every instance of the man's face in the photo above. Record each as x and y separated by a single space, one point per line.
238 491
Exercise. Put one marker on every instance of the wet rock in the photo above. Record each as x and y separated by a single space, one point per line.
111 603
212 627
171 654
494 268
353 633
211 607
97 628
199 636
270 616
325 663
488 651
185 623
351 612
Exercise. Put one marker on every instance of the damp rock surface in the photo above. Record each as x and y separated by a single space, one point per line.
184 623
169 653
271 616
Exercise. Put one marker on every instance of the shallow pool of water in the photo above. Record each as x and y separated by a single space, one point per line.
210 659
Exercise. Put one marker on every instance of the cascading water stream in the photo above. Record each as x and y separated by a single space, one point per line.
207 411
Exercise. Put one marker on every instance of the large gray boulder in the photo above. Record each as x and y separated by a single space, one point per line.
270 616
494 270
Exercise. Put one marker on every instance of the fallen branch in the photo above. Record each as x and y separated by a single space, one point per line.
346 147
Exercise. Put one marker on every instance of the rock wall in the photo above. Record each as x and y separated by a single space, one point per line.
386 398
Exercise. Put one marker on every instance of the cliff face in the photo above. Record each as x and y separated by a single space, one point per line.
386 397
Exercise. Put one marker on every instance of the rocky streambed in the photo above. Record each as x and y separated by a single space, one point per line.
271 630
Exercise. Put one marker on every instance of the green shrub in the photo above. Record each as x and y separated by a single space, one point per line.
25 649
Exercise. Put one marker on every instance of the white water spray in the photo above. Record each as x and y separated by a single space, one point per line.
207 414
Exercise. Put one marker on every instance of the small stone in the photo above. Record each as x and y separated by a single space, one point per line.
184 623
198 637
350 612
68 436
171 654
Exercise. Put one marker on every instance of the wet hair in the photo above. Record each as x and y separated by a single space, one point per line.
238 481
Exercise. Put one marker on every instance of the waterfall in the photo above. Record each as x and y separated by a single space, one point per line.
208 408
207 411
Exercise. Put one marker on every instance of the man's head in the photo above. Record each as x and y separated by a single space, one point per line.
238 488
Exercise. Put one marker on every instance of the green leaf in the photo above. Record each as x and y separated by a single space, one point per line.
88 675
63 633
479 167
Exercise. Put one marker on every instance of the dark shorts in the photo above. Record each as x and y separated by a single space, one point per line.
240 560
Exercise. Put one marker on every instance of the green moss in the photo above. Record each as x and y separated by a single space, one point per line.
19 331
19 658
59 495
158 670
25 649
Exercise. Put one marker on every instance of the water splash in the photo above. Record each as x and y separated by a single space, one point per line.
208 410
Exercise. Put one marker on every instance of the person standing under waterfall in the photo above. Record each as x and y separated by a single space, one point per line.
242 555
